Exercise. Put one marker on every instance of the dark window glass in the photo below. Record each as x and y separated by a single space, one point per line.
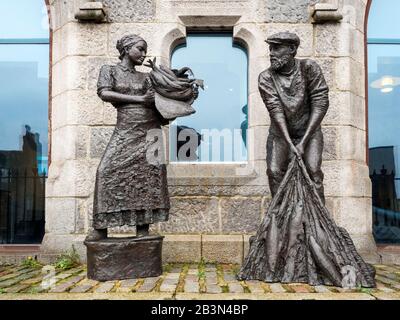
384 118
24 81
220 123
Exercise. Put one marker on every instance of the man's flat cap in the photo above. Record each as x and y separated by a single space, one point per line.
284 38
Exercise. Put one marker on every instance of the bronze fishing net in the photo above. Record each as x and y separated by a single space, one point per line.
298 241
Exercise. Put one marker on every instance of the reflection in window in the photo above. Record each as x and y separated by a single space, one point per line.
24 69
384 118
217 131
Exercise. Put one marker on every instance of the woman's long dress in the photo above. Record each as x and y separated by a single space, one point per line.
130 190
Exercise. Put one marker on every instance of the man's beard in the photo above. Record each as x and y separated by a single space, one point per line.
278 63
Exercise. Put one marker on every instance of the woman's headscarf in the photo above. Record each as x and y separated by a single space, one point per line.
128 42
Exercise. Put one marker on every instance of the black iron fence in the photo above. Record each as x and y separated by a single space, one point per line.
22 204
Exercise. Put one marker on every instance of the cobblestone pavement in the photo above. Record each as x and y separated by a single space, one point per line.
202 282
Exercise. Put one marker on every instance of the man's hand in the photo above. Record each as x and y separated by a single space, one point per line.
295 150
300 149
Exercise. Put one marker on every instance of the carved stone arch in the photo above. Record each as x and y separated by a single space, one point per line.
49 13
367 11
170 40
251 38
50 19
248 36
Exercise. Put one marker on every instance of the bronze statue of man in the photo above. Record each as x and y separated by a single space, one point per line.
296 96
297 240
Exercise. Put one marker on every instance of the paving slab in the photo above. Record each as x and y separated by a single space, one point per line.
148 284
255 286
191 287
65 286
168 285
127 285
213 288
276 288
210 267
172 276
193 272
235 287
303 288
176 270
211 278
229 277
105 287
32 281
386 280
384 288
84 286
19 278
322 289
386 295
17 288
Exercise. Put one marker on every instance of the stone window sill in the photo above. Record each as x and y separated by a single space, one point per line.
218 173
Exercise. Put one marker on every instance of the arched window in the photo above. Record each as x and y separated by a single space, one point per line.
384 118
220 123
24 83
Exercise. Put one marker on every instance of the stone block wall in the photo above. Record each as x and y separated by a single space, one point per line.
210 202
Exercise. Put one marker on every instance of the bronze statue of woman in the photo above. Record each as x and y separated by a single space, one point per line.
129 190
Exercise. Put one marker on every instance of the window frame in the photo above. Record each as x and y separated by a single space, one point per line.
48 42
238 43
367 42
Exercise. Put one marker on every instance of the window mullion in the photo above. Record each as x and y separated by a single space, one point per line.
24 41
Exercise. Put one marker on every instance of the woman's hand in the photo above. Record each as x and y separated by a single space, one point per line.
195 92
148 97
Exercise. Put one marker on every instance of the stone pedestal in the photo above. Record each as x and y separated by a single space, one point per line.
124 258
